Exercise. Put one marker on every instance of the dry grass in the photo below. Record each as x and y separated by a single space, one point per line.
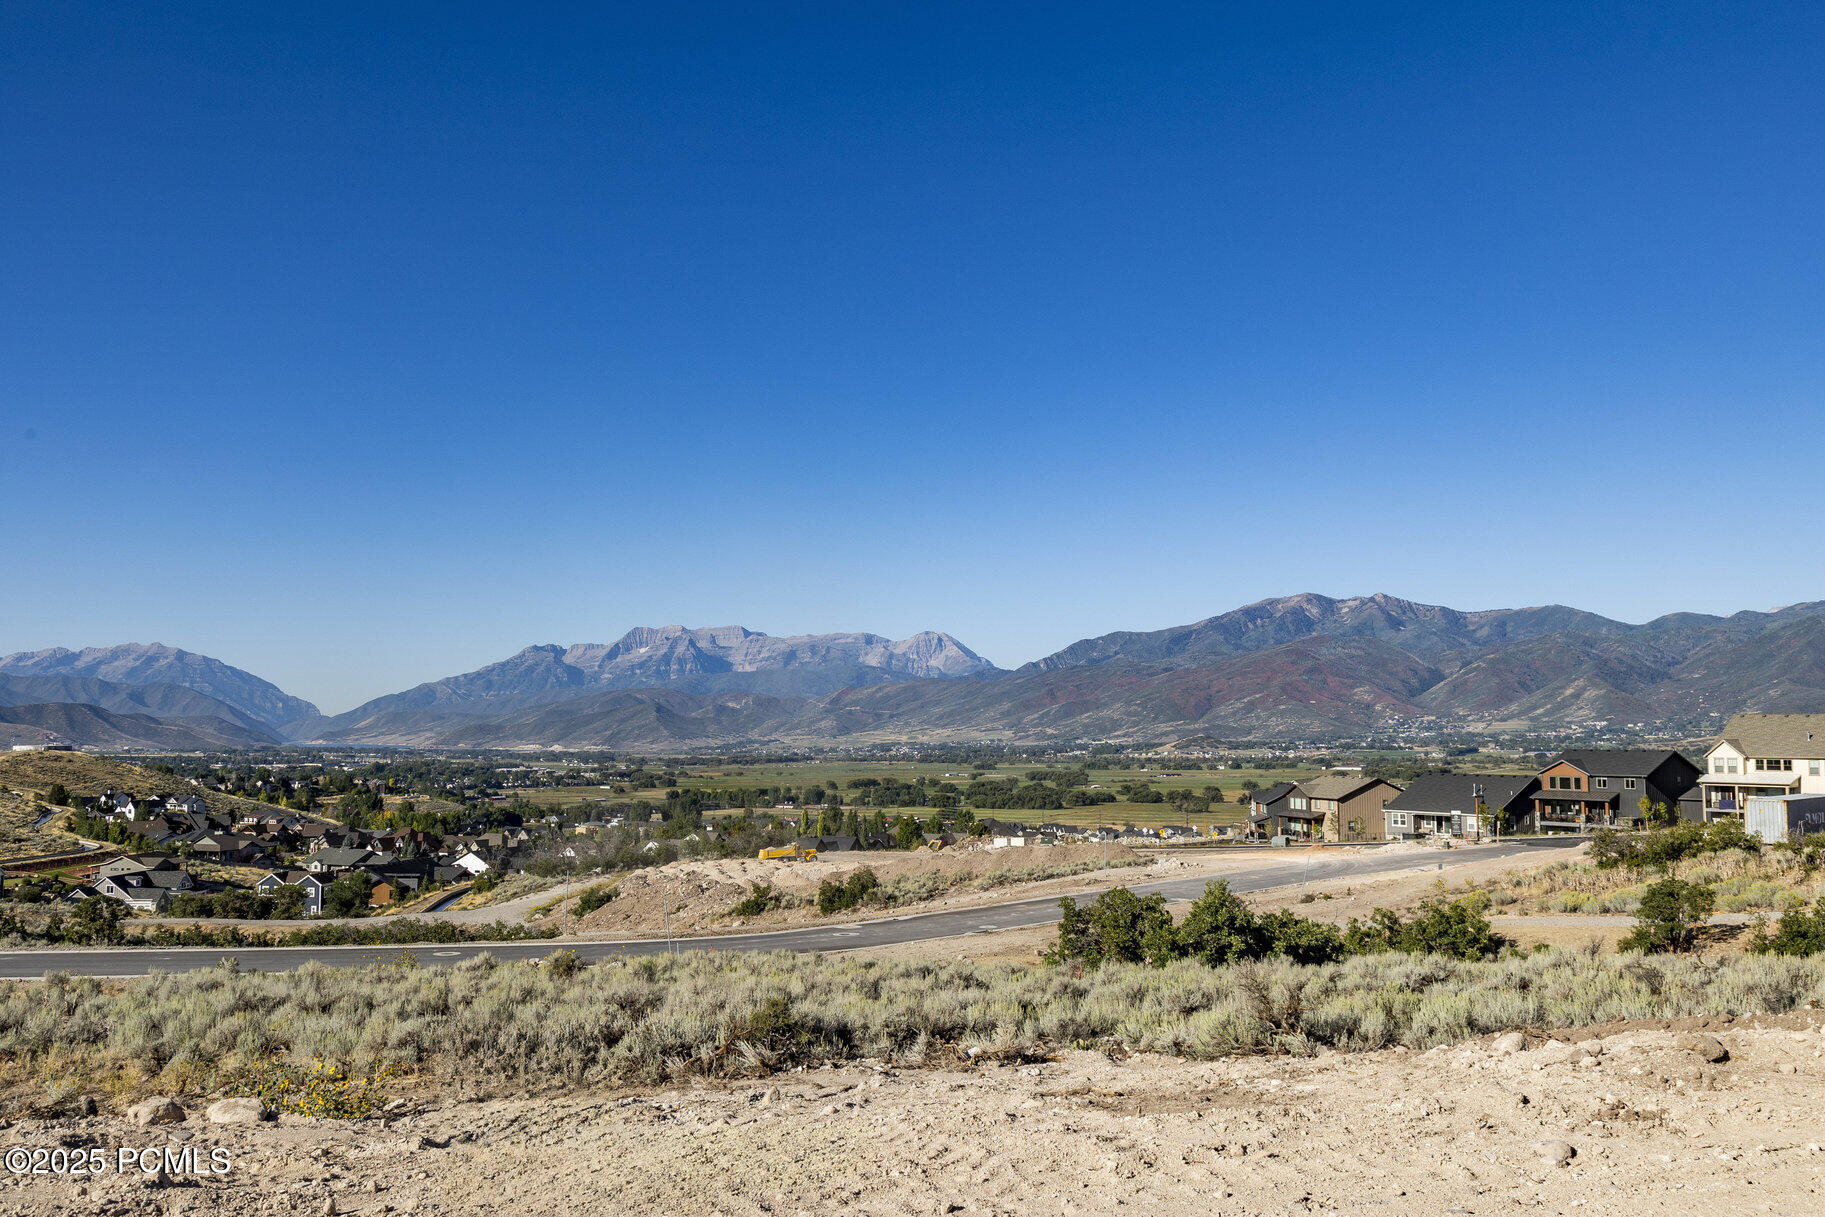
511 887
88 776
1770 881
486 1025
20 835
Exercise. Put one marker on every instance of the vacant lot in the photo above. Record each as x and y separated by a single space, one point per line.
700 894
1623 1117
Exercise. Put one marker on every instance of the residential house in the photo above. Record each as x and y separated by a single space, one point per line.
1762 754
1265 806
331 860
1013 840
133 864
1588 788
148 889
469 861
313 887
1460 805
1351 806
835 844
226 847
1285 810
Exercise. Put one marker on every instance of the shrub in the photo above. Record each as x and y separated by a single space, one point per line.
759 899
1743 893
321 1089
1302 940
646 1018
1665 848
1117 926
347 895
594 897
1670 916
1458 928
1219 929
835 897
1797 933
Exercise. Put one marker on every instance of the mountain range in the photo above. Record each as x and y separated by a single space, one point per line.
135 665
1304 666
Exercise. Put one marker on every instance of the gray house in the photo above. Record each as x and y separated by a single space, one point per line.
1447 804
314 886
334 859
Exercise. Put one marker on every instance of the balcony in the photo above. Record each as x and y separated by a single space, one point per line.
1780 782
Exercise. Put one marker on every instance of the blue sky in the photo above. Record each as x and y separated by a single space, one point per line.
361 346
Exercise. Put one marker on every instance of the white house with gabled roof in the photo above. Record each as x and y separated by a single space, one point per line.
1763 754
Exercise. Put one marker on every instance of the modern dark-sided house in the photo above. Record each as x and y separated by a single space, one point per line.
1264 807
1350 806
1603 787
1461 804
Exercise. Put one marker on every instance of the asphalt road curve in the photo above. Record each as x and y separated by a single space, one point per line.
1276 869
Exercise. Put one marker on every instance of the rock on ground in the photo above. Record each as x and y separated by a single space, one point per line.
159 1109
1656 1132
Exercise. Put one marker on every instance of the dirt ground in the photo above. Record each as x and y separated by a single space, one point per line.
698 893
1334 900
1651 1125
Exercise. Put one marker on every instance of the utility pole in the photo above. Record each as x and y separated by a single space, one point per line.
570 879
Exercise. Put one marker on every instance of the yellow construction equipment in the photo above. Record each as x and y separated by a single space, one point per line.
794 853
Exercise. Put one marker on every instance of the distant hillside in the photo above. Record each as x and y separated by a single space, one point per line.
714 660
92 727
1305 666
1424 629
156 664
86 776
157 700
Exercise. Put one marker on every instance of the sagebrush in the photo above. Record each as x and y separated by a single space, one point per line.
487 1024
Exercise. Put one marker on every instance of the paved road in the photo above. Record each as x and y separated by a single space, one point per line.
1279 869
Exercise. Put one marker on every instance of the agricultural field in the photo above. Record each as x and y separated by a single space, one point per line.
801 775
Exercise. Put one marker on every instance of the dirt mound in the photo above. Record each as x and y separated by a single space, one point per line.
697 893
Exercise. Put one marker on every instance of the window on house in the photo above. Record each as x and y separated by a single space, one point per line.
1812 769
1601 783
1297 803
1732 764
1355 825
1629 783
1398 819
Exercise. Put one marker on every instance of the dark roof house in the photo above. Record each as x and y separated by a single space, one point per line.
1442 803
